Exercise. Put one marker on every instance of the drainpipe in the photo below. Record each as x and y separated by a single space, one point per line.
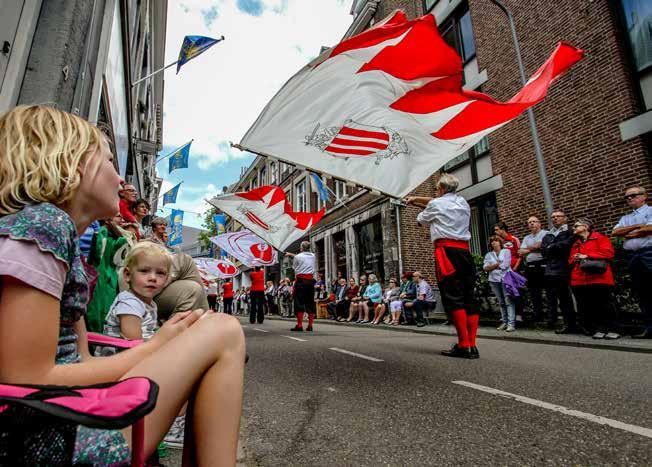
79 90
398 232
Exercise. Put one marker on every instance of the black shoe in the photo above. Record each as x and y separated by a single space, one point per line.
421 324
457 352
474 352
309 328
297 328
246 358
646 334
566 330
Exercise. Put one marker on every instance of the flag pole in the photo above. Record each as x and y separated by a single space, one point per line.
168 155
371 190
153 73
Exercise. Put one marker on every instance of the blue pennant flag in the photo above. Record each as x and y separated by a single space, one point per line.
193 46
179 158
176 227
220 227
171 196
220 223
319 186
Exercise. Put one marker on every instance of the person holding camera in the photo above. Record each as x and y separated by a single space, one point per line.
592 280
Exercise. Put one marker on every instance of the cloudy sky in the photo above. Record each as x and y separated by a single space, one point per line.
216 97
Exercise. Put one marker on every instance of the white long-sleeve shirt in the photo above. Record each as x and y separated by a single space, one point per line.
504 259
449 217
305 263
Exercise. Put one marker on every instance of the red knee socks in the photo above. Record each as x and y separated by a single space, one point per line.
311 319
472 327
300 320
460 321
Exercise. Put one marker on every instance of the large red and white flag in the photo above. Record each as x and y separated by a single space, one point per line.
247 248
386 108
267 213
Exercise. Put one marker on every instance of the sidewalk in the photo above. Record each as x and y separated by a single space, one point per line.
625 344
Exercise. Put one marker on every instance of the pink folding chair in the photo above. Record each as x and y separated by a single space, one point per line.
38 424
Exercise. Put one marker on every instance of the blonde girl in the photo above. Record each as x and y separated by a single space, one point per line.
57 176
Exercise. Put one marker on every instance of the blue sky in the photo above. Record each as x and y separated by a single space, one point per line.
216 97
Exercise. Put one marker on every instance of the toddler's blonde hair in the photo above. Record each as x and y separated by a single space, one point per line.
146 248
41 149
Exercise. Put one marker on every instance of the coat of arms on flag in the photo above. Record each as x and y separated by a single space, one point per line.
354 139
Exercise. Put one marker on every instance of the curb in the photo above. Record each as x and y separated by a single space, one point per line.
512 338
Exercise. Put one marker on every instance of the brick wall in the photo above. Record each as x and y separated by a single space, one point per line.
588 165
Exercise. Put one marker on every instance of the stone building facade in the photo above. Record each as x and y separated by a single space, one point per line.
83 57
594 126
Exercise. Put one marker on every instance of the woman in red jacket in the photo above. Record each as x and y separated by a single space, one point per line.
592 280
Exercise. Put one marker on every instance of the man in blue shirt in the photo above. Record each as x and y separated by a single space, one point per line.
636 228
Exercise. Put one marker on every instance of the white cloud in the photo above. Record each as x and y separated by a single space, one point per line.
217 96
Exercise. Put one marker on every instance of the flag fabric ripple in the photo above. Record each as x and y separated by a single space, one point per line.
386 108
267 213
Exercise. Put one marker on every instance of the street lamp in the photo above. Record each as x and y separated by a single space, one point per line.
547 197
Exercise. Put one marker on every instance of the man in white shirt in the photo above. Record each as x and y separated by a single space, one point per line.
305 270
425 298
535 264
449 216
636 229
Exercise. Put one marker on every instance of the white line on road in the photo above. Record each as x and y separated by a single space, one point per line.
259 330
366 357
639 430
295 339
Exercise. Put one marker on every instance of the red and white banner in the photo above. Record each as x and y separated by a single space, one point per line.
247 248
267 213
386 108
216 268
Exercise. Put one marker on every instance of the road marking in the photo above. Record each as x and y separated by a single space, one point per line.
295 339
639 430
259 330
366 357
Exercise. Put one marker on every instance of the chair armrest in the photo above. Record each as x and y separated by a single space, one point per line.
95 338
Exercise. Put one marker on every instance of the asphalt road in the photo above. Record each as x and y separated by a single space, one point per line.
306 404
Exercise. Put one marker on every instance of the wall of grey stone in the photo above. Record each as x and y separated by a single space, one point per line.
390 241
54 63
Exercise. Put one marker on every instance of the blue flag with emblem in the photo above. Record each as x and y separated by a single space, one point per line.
171 195
220 223
220 228
179 158
176 227
193 46
319 187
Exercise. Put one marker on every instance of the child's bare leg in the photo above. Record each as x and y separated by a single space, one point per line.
208 357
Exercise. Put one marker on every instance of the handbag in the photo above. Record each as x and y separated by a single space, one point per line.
593 266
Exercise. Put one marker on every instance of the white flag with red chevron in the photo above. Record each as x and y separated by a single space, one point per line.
267 213
385 109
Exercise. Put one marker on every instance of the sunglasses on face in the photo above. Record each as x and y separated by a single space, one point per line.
633 195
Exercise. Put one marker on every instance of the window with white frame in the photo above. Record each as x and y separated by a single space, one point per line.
320 202
301 196
254 183
340 189
272 173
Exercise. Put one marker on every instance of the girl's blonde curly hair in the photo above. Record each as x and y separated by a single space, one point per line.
41 149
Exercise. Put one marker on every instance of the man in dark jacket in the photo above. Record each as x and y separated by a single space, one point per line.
555 247
336 309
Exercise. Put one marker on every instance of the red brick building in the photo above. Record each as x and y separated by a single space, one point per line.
594 128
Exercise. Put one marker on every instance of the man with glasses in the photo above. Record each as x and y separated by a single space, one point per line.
555 248
636 228
128 196
535 265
